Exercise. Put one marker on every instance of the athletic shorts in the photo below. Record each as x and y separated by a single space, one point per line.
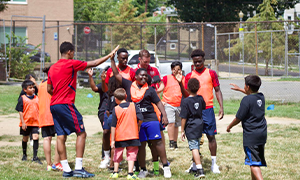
162 126
101 117
255 155
48 131
209 122
149 131
173 114
29 130
194 144
131 152
66 119
107 121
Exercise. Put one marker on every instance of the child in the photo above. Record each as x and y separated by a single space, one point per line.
125 132
28 108
171 99
252 115
192 122
143 96
47 125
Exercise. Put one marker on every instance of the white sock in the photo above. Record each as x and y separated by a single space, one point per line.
78 165
213 160
194 166
199 166
106 154
65 165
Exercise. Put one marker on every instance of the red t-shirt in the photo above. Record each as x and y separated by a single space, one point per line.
212 73
62 76
109 74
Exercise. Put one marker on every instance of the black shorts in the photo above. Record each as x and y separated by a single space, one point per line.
101 117
30 129
255 155
48 131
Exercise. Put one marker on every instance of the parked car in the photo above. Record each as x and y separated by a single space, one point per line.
37 56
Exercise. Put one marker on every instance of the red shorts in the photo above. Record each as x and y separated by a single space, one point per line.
131 153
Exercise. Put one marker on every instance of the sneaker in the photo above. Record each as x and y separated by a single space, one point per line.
24 158
199 173
132 177
82 173
143 174
68 174
37 160
175 145
49 168
191 170
104 163
114 176
171 145
167 172
215 169
57 167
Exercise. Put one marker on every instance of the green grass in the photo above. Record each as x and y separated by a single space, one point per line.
281 153
88 106
289 79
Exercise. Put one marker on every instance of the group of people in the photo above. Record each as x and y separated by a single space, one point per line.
132 114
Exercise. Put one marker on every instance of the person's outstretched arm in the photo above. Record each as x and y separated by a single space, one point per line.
220 101
163 112
233 123
237 88
91 80
115 70
96 62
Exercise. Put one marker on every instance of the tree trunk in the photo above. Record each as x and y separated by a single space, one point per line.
267 67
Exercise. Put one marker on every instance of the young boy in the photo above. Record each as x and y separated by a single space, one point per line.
28 108
171 99
252 115
47 125
192 122
125 132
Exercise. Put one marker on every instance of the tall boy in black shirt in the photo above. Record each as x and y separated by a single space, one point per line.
252 115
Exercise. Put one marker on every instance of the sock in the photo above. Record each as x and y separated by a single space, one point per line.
131 174
155 165
65 165
175 144
24 147
199 166
35 148
213 160
194 166
78 165
106 154
144 168
171 142
165 165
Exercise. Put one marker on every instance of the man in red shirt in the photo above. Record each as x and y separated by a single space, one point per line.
208 81
61 85
144 57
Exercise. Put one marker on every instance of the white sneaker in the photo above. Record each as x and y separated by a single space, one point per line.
104 163
167 172
143 174
215 169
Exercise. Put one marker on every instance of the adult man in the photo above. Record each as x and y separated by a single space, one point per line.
61 85
208 81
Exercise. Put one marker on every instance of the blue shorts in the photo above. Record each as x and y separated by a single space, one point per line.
150 131
66 119
107 121
209 122
194 144
255 155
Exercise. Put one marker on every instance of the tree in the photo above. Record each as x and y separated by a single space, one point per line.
266 14
3 5
222 10
128 36
147 6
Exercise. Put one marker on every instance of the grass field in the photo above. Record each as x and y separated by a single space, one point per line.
88 106
281 150
281 154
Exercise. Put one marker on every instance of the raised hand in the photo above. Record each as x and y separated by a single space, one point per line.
179 76
89 71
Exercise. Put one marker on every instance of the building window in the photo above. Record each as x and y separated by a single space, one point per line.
17 2
19 31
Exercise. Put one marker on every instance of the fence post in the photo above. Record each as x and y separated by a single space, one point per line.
271 54
43 47
189 46
155 54
178 42
111 38
216 43
286 53
256 51
57 40
6 74
76 43
141 35
202 36
229 52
